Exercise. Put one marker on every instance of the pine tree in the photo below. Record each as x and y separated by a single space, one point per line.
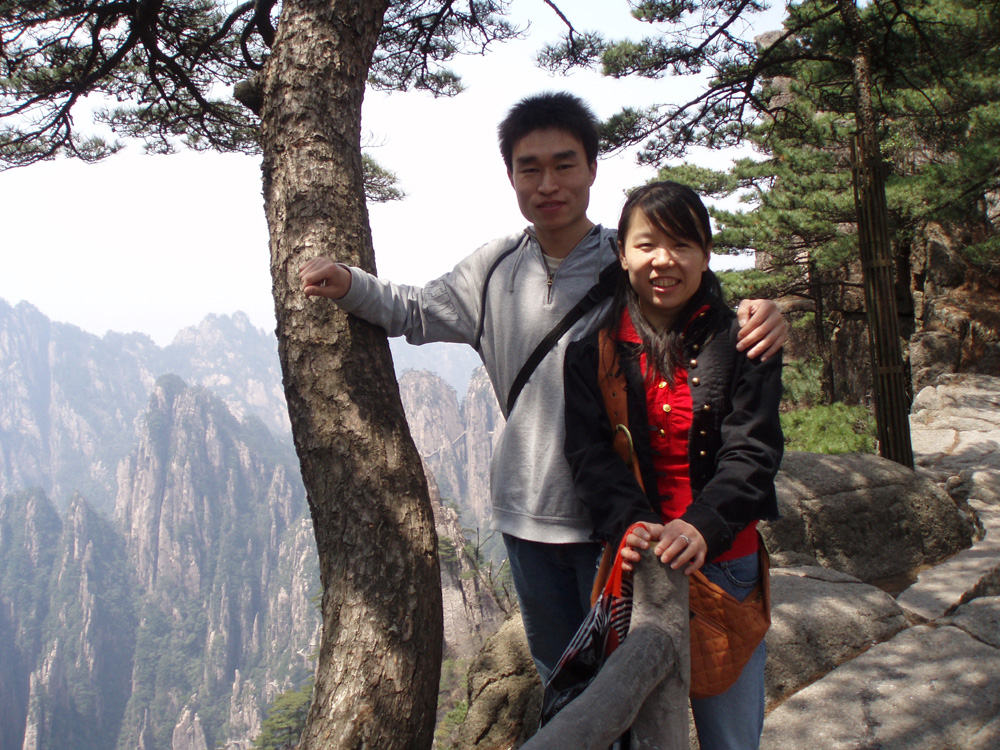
846 55
160 71
940 111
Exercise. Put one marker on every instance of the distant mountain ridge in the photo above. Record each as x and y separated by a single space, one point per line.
67 379
157 559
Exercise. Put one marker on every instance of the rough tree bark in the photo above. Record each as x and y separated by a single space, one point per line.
380 650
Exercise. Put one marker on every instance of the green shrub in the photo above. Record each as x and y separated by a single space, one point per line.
447 729
833 428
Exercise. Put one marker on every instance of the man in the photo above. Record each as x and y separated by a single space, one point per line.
503 300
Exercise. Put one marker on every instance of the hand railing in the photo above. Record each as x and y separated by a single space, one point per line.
644 684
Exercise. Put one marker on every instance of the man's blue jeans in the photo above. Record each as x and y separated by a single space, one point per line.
735 719
553 583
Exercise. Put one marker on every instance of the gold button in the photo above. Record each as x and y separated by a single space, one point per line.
696 347
695 381
702 453
666 408
703 433
706 407
693 363
663 433
663 384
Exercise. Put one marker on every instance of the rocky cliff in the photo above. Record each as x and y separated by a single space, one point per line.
71 400
155 589
957 310
456 441
138 631
443 437
68 401
948 316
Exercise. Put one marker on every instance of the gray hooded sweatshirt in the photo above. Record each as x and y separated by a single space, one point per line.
530 484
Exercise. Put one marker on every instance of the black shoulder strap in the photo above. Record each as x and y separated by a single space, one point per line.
486 285
604 288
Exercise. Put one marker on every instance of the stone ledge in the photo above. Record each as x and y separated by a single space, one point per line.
970 574
926 689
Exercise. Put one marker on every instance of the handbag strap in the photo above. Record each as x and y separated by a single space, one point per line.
598 292
611 379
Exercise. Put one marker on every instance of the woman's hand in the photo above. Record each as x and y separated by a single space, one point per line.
639 538
678 544
681 544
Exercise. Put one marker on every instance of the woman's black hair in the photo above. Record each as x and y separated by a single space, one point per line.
677 211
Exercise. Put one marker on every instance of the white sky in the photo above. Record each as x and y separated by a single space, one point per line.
155 243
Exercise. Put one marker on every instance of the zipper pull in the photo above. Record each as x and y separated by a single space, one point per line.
549 282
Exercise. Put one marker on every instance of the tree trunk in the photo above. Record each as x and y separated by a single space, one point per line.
892 404
380 649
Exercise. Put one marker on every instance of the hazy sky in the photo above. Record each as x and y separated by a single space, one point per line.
154 243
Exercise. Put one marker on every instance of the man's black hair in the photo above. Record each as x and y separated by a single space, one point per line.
552 110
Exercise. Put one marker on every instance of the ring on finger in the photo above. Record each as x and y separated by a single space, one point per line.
681 536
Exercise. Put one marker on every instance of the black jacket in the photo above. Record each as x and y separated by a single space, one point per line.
734 447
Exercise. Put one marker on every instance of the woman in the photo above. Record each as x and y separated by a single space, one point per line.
704 426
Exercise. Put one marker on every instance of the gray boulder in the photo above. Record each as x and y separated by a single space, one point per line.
505 694
819 619
864 516
955 426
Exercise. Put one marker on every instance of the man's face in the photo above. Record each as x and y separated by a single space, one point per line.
552 180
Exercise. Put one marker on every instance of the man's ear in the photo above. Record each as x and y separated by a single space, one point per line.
593 171
510 176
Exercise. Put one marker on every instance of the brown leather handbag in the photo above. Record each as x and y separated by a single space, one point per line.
724 630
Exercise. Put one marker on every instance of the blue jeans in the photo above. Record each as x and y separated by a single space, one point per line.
553 583
734 719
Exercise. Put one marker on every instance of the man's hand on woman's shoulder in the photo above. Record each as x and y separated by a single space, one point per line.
763 329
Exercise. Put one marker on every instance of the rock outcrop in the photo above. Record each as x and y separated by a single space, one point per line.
957 311
435 421
470 608
863 515
505 694
236 362
455 441
471 611
484 425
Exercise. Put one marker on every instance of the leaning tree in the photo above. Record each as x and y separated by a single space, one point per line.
160 72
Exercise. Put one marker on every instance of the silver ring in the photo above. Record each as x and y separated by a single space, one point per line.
323 282
681 536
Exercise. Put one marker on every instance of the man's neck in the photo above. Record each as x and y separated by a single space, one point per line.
561 243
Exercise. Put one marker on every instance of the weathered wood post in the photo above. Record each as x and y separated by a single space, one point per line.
644 684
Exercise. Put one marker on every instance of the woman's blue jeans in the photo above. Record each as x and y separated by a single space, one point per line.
734 720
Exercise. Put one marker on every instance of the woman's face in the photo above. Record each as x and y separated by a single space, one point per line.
664 271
